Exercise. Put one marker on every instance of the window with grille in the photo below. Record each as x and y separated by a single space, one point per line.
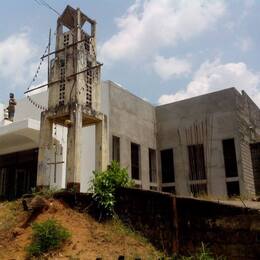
135 161
116 148
62 85
167 166
66 39
89 84
87 44
197 169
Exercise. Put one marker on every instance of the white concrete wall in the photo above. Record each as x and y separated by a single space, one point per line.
88 144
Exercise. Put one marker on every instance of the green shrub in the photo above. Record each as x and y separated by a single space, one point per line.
104 185
47 236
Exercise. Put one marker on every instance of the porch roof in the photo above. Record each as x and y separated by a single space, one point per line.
19 136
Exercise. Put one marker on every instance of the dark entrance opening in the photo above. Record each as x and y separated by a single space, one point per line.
135 161
152 166
18 173
230 160
233 188
255 154
116 148
167 165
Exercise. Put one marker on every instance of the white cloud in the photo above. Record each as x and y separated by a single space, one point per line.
17 64
149 25
245 44
213 76
168 68
248 6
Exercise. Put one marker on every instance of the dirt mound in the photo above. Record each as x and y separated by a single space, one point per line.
89 240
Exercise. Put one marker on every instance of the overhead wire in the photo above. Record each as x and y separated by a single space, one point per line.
45 4
33 102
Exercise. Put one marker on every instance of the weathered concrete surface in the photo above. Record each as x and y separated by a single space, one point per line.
45 149
74 96
179 225
207 120
132 120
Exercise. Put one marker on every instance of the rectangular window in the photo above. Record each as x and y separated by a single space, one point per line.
199 189
167 166
233 188
230 159
152 165
196 162
115 148
135 161
255 155
169 190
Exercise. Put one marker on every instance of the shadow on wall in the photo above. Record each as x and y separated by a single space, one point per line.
179 225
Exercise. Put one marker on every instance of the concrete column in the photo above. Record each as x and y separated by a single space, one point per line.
74 148
45 148
216 176
181 170
246 177
102 145
144 169
125 154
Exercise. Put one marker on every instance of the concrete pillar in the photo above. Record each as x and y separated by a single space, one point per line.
74 148
246 177
181 170
45 148
215 166
144 169
125 154
102 145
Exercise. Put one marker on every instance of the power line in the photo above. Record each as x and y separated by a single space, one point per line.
45 4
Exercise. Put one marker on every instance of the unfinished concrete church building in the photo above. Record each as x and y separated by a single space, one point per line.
208 144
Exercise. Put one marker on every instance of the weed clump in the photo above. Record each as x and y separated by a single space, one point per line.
202 254
47 236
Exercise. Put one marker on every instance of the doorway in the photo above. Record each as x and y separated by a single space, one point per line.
18 173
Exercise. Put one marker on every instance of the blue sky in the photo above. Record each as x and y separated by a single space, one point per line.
161 50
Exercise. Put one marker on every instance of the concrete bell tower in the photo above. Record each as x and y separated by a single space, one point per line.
73 96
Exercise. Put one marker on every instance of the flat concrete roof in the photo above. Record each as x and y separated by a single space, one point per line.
19 136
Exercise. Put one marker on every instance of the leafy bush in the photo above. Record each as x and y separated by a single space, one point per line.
104 185
47 236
